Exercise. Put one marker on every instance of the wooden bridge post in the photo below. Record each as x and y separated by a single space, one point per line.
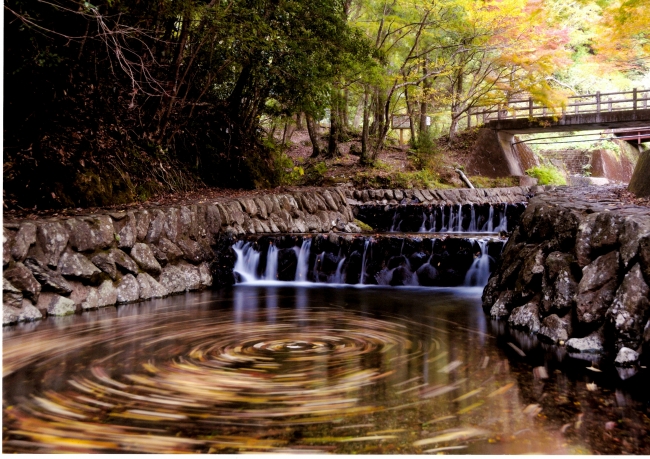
598 102
499 112
530 107
634 99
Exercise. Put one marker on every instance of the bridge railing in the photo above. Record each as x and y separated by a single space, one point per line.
637 99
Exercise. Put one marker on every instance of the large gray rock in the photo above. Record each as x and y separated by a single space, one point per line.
173 279
9 313
106 294
104 261
644 257
560 285
50 280
90 233
526 317
11 296
76 265
597 288
634 230
156 226
630 309
53 238
127 231
166 251
150 288
123 261
555 329
23 279
142 221
27 313
583 240
530 277
144 257
626 357
91 301
605 233
56 305
172 224
193 251
24 239
192 276
591 344
205 275
128 290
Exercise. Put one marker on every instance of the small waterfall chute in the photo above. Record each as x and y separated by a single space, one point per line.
479 273
302 266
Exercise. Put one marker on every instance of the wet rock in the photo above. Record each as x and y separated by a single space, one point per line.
23 240
500 307
91 301
193 251
105 262
7 242
168 251
583 240
532 270
142 221
644 257
150 288
128 290
188 222
143 256
526 317
173 279
555 329
53 238
123 261
634 230
213 219
11 296
630 309
127 231
261 208
626 357
597 288
593 343
156 226
192 276
23 279
50 280
205 275
56 305
9 313
560 285
605 232
171 224
90 233
76 265
106 294
27 313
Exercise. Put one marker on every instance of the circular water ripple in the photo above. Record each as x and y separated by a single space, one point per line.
205 385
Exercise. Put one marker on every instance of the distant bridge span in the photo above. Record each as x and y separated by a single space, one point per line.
599 111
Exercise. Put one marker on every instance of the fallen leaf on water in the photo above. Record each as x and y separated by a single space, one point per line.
444 448
501 390
470 408
467 395
452 434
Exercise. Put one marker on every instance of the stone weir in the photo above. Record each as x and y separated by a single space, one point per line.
576 273
451 210
396 260
56 266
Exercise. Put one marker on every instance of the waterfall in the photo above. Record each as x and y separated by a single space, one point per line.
459 219
503 221
487 228
423 226
472 223
271 272
247 262
479 273
338 276
396 225
317 264
363 262
303 261
443 228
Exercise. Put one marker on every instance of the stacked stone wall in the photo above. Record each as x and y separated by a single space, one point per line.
57 266
577 272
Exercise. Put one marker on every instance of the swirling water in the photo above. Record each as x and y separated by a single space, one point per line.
305 369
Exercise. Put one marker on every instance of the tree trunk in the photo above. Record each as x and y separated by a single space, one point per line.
335 124
313 135
299 126
365 158
423 105
409 110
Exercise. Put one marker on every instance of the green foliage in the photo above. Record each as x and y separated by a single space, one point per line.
547 175
364 226
315 173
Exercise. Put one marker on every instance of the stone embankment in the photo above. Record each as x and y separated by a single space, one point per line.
57 266
577 272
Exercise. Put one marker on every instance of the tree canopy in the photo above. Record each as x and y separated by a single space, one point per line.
119 99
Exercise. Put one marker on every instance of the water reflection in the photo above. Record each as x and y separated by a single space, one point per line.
293 369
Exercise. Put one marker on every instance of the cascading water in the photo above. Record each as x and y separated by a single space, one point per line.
479 273
271 272
303 261
247 261
503 221
362 276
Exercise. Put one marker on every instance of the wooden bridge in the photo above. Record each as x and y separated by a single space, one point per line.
630 109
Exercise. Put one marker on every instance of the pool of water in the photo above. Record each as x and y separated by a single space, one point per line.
310 369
